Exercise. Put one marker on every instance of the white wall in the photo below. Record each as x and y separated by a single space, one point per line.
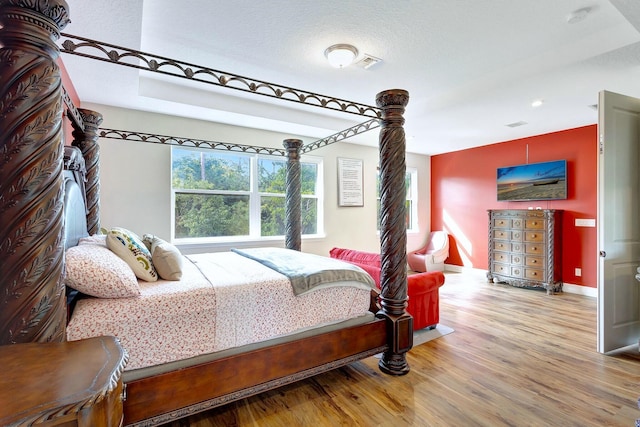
135 180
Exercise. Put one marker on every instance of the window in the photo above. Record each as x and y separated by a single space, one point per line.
219 194
411 205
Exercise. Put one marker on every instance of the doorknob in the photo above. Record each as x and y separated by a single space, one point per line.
603 254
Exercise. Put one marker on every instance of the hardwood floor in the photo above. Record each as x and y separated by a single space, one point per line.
518 357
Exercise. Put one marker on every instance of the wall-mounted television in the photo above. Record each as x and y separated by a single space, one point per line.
533 181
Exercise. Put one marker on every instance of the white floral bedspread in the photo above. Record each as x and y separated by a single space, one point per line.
236 301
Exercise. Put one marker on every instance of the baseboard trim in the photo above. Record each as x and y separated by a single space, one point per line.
580 290
566 287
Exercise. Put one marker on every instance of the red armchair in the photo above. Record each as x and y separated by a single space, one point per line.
422 288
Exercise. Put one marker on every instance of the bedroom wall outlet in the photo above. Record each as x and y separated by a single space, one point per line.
578 272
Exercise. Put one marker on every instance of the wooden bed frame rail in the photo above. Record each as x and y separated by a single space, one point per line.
236 377
32 301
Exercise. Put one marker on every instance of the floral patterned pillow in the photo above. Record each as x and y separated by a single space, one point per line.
128 246
95 270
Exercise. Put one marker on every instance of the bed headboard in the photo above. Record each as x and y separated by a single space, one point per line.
75 217
75 211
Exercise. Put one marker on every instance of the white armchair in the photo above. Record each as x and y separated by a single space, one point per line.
433 255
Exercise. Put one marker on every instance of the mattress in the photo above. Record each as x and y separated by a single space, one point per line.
223 301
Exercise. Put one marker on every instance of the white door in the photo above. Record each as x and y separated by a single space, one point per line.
619 221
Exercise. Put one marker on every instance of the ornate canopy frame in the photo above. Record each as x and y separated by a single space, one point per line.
32 104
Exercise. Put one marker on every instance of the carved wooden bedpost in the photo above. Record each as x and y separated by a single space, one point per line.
87 141
293 201
393 232
32 301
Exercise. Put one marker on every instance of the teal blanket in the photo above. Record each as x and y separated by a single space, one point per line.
308 271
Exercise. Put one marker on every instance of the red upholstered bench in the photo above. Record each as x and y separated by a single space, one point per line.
422 288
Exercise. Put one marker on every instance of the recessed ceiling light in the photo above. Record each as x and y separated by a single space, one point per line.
578 15
516 124
537 103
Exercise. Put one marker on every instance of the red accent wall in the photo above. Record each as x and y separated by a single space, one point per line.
463 187
68 85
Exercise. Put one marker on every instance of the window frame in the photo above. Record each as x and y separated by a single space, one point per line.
254 199
411 196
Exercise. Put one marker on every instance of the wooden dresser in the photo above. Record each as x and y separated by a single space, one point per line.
76 383
525 248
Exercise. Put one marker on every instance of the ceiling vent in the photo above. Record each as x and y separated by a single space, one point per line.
516 124
368 61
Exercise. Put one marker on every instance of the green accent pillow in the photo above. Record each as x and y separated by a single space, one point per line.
128 246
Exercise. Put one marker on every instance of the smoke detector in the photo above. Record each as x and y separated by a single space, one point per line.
578 15
368 61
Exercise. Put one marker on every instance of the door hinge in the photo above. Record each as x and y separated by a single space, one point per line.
601 144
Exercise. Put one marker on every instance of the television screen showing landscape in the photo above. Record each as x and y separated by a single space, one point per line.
535 181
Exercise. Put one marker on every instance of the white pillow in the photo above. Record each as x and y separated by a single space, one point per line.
128 246
95 270
167 259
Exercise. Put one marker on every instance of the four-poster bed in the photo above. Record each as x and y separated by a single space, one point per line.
32 243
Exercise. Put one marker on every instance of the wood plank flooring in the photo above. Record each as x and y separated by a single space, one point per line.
518 357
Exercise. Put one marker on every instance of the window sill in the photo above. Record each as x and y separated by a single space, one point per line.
195 246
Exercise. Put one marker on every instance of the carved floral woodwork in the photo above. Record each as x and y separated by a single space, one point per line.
32 304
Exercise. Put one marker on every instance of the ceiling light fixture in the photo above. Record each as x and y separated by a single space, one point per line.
537 103
341 55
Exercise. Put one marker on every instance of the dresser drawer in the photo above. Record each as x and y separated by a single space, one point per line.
517 223
534 261
517 235
533 249
503 269
534 274
534 224
500 245
517 248
501 223
517 259
533 236
501 234
516 271
503 257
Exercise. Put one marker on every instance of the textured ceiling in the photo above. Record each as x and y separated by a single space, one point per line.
471 68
